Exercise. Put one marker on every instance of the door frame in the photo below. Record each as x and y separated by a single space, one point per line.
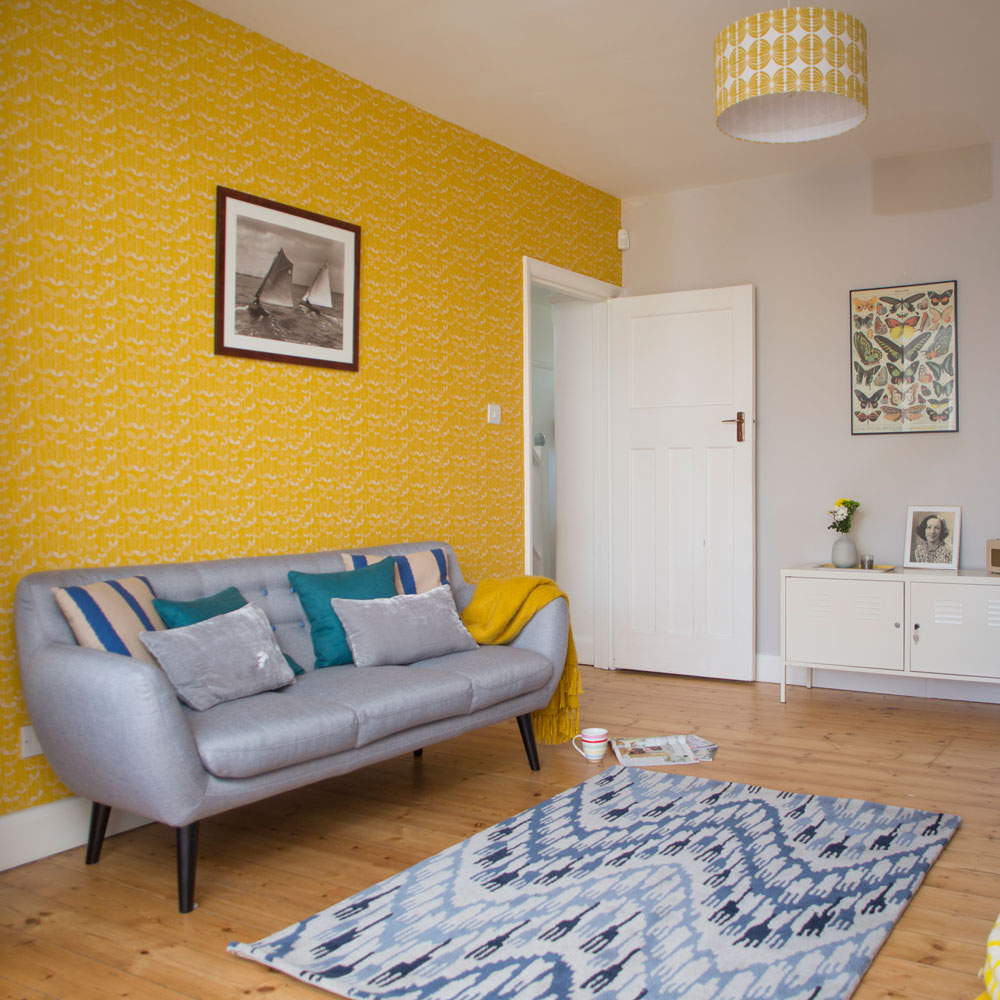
581 288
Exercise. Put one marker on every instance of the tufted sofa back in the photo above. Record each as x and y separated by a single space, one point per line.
263 580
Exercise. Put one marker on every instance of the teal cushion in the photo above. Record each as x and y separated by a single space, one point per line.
178 614
315 591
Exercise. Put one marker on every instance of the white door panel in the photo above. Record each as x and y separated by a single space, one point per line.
682 522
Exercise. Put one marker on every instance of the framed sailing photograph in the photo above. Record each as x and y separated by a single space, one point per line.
904 358
286 283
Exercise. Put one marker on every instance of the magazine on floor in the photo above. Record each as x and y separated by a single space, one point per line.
653 751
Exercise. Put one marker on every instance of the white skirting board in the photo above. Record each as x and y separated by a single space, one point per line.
769 671
58 826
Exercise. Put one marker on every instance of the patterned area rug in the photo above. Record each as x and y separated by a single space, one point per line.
634 884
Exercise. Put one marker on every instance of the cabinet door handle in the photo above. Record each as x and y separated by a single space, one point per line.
916 632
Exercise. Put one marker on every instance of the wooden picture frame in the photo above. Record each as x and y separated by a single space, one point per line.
932 539
904 358
287 283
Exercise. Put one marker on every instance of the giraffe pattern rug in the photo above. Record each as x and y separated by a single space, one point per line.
634 885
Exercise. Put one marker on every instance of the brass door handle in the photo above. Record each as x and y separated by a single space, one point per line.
740 421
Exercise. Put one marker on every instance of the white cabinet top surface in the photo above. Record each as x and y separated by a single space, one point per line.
897 572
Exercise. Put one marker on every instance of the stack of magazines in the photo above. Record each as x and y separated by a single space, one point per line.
651 751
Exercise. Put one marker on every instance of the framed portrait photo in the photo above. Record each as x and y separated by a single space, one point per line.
286 283
904 358
932 537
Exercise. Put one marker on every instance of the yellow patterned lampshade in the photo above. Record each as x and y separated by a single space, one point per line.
791 75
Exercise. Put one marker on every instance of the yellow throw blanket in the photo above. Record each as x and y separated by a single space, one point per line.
499 609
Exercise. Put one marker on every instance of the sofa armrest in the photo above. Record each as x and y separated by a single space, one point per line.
113 730
548 633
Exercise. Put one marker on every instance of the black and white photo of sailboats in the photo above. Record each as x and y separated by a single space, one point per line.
287 283
285 291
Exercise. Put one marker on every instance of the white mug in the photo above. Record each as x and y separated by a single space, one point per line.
595 742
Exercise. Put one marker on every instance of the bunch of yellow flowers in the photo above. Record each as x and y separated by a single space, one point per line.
842 513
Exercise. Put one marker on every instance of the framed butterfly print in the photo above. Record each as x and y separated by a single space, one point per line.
904 359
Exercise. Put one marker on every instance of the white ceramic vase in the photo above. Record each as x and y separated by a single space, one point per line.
845 552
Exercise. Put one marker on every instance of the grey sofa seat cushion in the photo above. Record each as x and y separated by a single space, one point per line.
240 739
496 673
326 711
385 700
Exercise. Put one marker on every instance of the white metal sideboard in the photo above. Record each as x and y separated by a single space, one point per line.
934 624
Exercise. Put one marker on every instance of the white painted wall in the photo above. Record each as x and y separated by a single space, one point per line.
805 240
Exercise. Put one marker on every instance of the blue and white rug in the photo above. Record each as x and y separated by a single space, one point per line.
634 884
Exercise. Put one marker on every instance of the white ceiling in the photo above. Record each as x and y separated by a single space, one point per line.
619 93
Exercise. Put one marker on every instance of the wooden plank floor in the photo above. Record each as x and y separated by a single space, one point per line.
113 929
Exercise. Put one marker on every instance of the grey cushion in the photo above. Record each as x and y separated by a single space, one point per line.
385 701
239 739
496 673
227 657
403 629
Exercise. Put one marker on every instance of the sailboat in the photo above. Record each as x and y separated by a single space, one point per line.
276 288
319 291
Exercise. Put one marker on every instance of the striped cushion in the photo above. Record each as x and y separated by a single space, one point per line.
416 572
110 615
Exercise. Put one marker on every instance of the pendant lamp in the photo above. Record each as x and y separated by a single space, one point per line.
791 75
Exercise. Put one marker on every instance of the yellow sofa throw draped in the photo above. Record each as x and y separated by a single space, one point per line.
499 609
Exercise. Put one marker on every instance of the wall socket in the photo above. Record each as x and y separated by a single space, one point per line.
30 747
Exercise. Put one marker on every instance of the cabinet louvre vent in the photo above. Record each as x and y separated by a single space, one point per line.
868 608
819 605
948 613
993 614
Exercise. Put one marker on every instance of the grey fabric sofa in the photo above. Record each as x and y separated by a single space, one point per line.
115 732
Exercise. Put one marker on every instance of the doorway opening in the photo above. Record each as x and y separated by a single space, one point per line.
565 441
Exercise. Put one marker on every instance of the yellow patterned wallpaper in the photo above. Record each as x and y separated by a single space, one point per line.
124 439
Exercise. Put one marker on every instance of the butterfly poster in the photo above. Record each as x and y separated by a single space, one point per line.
904 359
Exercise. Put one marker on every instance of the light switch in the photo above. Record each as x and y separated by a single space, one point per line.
493 413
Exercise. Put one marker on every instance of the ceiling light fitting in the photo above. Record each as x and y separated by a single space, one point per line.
791 75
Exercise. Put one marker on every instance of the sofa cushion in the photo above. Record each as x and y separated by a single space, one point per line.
109 615
404 628
496 673
416 572
224 658
385 701
177 614
315 591
240 739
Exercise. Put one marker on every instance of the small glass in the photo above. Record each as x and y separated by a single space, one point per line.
867 562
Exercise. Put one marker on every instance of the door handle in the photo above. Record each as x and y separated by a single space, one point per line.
739 420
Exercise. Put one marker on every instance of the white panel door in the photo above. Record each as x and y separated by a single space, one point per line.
682 486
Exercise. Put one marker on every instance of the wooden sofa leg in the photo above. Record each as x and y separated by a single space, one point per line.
187 859
99 814
528 738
